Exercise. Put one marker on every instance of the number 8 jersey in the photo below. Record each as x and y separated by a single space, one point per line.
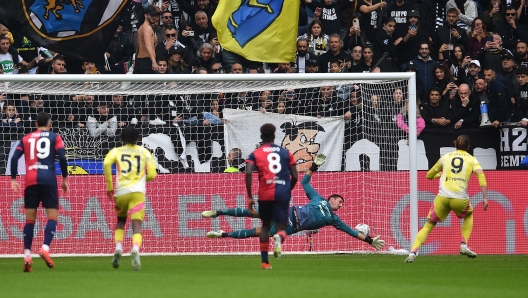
39 149
131 163
456 167
273 166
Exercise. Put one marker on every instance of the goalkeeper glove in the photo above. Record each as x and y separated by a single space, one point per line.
376 242
319 161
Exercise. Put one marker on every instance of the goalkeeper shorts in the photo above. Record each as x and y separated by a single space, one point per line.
131 204
442 206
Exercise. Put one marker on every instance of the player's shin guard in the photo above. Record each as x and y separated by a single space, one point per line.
237 212
49 232
422 236
467 227
119 235
264 247
241 234
137 239
28 233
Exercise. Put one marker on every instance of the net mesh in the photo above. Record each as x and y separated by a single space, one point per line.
192 128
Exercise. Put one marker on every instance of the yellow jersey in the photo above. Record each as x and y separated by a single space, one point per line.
456 167
134 167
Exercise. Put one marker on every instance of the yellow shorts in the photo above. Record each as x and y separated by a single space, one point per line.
442 206
131 204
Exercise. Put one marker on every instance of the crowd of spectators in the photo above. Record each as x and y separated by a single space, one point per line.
464 52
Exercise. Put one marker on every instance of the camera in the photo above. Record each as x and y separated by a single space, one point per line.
191 33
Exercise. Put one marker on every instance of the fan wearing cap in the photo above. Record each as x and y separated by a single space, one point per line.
508 71
146 55
473 73
312 64
413 35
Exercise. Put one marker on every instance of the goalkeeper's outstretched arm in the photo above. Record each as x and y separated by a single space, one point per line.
308 188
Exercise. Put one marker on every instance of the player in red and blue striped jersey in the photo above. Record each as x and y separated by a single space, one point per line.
40 148
277 177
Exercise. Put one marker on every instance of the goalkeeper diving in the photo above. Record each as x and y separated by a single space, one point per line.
302 218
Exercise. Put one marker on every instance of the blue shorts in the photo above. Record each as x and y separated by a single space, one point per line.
277 211
47 194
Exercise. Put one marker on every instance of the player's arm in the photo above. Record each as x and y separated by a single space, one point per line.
14 166
375 242
308 188
434 172
63 162
483 186
249 180
109 160
151 166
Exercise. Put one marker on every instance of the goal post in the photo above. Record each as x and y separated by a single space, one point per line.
371 162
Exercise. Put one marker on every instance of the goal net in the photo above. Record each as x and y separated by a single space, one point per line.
199 126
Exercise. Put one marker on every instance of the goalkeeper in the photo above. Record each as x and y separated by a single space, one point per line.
302 218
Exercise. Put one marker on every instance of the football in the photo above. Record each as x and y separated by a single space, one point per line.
363 229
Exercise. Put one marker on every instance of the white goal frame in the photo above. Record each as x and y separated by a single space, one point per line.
410 77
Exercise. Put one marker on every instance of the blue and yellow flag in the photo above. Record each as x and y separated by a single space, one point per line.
258 30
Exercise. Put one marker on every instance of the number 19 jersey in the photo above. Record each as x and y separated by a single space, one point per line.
273 166
134 167
39 149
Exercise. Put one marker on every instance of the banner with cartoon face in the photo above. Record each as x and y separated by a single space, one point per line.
303 136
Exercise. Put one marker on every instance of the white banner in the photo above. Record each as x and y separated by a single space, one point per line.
303 136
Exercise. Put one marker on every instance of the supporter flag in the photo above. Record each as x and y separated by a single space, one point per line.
258 30
79 29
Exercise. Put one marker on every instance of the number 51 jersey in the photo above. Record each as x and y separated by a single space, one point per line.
134 167
273 166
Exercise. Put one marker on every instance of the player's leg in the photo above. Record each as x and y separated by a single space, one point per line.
50 201
119 235
236 212
136 211
280 218
121 209
240 234
31 203
437 213
464 210
265 210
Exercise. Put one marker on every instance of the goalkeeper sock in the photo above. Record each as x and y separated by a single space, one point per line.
241 234
28 233
49 232
467 226
422 236
264 247
282 235
137 238
237 212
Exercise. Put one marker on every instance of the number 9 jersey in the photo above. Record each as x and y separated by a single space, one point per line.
273 166
134 167
456 167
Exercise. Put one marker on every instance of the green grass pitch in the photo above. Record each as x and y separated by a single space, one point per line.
292 276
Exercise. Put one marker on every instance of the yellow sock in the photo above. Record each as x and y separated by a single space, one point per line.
467 226
119 235
422 235
137 239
